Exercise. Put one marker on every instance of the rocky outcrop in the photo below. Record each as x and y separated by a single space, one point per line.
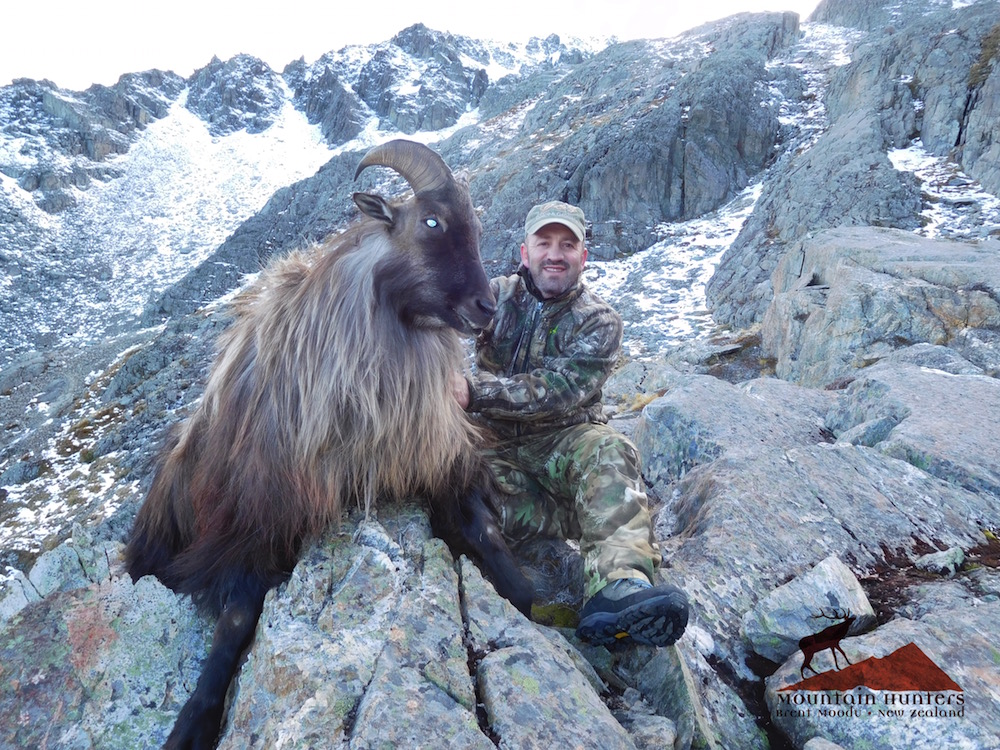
377 638
242 93
978 147
769 485
903 407
809 603
432 64
326 101
137 99
915 82
934 78
844 179
848 297
860 486
68 137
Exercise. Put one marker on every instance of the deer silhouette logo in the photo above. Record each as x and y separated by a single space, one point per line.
828 638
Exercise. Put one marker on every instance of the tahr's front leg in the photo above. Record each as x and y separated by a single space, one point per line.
475 532
197 725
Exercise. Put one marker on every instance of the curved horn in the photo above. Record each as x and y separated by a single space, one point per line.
419 165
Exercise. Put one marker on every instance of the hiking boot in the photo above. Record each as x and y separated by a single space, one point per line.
633 610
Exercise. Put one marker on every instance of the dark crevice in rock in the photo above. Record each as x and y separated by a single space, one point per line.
352 716
844 526
475 657
963 123
752 695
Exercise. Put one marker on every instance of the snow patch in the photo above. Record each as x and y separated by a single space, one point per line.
955 205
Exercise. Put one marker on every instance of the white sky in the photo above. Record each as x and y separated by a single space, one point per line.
76 43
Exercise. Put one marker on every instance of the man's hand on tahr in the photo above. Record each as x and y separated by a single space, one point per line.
460 388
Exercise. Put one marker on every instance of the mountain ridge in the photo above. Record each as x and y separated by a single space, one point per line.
804 263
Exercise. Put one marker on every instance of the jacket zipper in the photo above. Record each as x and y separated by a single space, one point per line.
522 367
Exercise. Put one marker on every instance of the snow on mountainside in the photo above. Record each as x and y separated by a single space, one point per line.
179 193
188 180
416 55
160 207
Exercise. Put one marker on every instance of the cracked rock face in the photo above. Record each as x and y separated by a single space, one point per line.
878 448
850 296
99 666
378 639
361 631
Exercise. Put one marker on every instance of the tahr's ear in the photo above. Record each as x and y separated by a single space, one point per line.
374 206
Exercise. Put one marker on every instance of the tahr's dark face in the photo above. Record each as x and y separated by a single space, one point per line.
439 278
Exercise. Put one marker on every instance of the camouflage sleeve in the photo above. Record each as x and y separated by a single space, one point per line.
565 381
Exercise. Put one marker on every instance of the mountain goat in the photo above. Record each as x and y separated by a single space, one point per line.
332 386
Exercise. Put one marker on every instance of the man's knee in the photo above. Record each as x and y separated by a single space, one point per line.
614 469
596 446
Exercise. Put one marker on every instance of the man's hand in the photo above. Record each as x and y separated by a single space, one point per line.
460 389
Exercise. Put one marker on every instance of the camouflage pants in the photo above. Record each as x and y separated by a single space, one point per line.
582 483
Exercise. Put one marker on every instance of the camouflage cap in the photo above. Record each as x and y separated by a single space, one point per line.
556 212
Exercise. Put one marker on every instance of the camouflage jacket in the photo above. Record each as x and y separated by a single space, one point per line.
542 362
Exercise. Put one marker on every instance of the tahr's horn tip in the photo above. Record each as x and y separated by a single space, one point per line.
422 167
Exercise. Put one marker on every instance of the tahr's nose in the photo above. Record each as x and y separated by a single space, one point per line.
487 305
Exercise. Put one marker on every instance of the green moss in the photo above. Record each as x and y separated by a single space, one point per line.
989 51
528 684
344 705
555 615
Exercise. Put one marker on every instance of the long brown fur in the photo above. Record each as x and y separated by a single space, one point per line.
332 385
305 411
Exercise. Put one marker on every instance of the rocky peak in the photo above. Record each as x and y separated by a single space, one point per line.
67 137
419 41
242 93
874 15
421 81
137 98
326 101
827 183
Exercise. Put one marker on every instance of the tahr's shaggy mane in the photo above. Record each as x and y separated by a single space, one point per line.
332 386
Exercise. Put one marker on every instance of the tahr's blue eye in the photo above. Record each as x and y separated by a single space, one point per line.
432 223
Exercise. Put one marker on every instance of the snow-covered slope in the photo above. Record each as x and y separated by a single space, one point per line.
82 275
179 194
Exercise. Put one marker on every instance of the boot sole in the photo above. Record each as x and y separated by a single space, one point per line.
659 621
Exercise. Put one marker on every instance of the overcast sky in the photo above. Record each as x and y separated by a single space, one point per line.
75 43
